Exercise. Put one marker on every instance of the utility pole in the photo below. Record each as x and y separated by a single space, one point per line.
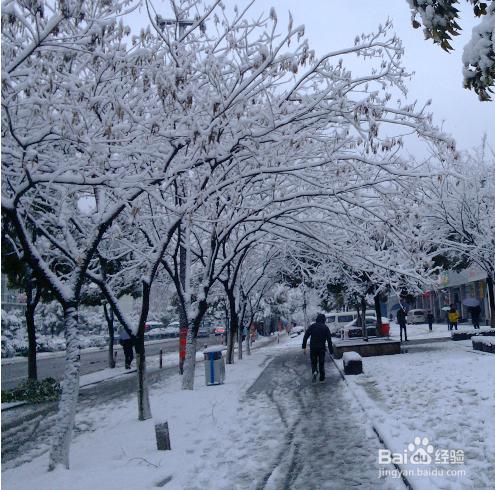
183 251
304 308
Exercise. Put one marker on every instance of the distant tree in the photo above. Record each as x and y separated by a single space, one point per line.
459 218
21 276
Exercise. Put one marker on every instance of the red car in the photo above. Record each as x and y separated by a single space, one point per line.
219 330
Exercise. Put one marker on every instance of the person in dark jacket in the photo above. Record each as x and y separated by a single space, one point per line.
127 343
319 334
475 315
429 318
401 320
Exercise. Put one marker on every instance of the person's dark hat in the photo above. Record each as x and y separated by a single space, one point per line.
320 318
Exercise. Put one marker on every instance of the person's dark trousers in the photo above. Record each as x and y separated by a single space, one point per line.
127 345
403 327
430 326
318 358
453 325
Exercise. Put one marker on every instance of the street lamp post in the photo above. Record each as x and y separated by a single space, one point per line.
162 23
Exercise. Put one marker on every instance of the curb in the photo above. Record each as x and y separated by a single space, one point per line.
404 478
61 353
12 405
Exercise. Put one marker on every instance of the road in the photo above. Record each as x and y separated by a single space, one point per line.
14 371
326 444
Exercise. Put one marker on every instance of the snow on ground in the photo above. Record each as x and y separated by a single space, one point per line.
421 331
444 392
266 427
255 431
119 452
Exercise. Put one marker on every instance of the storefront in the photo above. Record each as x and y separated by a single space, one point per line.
454 287
451 288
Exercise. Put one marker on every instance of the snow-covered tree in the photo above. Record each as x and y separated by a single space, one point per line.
179 149
70 158
440 21
457 210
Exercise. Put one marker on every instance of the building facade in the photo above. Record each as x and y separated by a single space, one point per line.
452 288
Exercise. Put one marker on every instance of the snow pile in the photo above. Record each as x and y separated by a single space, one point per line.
485 344
351 357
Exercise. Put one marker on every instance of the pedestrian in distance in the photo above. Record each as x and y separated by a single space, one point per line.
429 318
401 320
475 315
127 343
453 317
319 335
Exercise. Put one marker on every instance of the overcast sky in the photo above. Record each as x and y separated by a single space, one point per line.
333 24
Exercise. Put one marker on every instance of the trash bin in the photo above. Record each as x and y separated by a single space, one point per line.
385 329
214 365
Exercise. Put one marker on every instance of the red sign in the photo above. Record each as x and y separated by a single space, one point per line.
182 343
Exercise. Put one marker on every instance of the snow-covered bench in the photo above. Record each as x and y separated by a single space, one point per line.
468 334
353 363
485 344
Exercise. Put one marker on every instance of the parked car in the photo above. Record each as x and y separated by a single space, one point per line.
152 330
148 326
172 330
351 330
203 331
335 320
416 316
219 330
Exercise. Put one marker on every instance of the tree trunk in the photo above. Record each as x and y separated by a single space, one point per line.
109 319
234 327
239 343
378 311
363 309
229 355
182 278
248 341
241 328
227 325
190 362
31 303
59 454
491 298
144 409
183 322
191 346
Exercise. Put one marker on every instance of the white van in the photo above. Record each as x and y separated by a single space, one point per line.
416 316
335 320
